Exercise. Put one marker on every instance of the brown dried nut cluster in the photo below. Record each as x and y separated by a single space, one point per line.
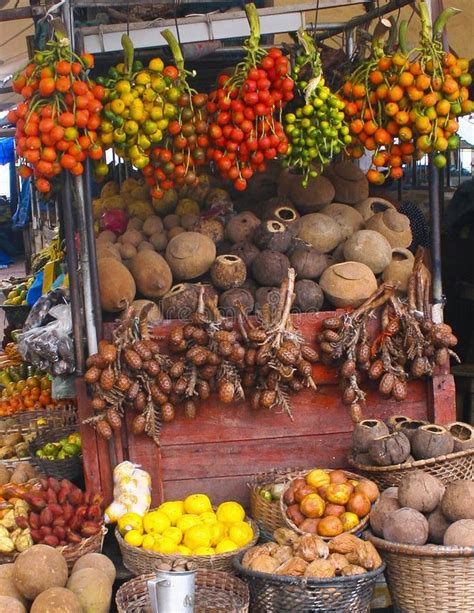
309 556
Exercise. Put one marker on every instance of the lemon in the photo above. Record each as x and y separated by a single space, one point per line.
197 536
156 64
148 542
197 504
175 534
208 517
117 106
156 522
241 533
204 551
130 521
173 509
218 532
165 545
184 550
123 86
142 78
134 538
187 521
230 512
226 545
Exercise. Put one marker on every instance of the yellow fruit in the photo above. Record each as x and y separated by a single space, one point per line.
187 521
130 521
165 545
155 522
173 509
204 551
197 504
156 64
117 106
197 536
143 78
241 533
184 550
226 545
218 532
134 538
208 517
317 478
175 534
148 542
230 512
123 87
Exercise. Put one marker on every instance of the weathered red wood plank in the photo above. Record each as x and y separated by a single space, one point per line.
442 399
92 463
218 489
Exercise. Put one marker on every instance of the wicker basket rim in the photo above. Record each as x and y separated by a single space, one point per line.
72 547
294 527
408 465
430 551
176 556
303 581
262 478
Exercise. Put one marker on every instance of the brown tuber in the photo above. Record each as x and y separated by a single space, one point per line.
117 286
406 526
151 273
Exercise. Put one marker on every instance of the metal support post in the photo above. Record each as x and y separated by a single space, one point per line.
435 218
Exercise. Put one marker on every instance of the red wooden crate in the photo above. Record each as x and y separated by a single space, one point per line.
218 451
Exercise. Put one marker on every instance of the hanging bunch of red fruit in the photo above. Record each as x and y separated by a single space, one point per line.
406 104
57 121
243 130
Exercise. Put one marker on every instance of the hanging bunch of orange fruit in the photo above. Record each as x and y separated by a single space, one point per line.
406 104
57 121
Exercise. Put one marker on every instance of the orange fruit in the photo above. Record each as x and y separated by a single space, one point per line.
449 60
406 79
415 68
414 93
405 134
358 90
396 172
392 127
382 137
423 124
375 77
382 91
443 107
395 93
384 63
376 177
370 143
370 127
422 81
399 59
402 118
429 99
391 109
380 158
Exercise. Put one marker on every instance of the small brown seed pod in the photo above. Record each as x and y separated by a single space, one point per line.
203 389
326 348
157 394
133 390
103 429
176 336
98 403
399 390
207 372
376 370
142 350
348 369
224 348
295 385
200 336
331 336
255 400
257 335
152 346
250 356
152 367
138 424
363 353
167 412
188 331
180 386
309 354
386 384
267 399
107 379
238 354
332 323
165 383
225 335
140 401
348 396
177 370
113 418
190 409
355 411
288 353
419 367
132 359
123 382
226 391
96 360
213 359
108 352
197 355
393 326
92 374
248 379
272 380
304 368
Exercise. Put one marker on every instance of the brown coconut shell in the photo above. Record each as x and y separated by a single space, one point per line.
368 207
213 228
228 271
389 449
272 234
365 431
116 284
154 315
346 216
151 273
320 231
406 526
420 490
314 197
285 180
410 426
370 248
281 210
267 295
460 533
307 262
381 513
270 267
241 227
350 183
229 301
309 296
348 283
437 526
246 251
463 435
399 269
190 255
458 500
180 302
431 441
394 226
394 420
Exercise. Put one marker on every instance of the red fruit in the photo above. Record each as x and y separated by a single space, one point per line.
34 520
51 540
36 535
94 512
59 522
68 511
37 502
51 497
89 528
72 536
46 517
46 530
76 496
59 532
56 509
62 495
22 522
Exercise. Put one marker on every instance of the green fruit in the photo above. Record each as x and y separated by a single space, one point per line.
71 449
50 449
62 455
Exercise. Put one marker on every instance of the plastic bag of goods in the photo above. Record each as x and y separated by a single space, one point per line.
132 492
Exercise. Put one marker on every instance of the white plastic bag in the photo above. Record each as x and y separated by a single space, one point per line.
132 492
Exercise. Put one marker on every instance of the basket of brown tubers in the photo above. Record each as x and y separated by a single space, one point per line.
387 451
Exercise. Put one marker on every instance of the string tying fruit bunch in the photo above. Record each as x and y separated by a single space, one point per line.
57 122
243 130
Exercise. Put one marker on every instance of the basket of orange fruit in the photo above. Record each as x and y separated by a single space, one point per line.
191 530
24 394
328 502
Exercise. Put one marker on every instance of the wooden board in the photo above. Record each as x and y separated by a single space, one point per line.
224 446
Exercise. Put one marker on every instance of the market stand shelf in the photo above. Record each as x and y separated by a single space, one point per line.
221 449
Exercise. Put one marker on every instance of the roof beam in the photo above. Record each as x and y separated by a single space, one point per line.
22 12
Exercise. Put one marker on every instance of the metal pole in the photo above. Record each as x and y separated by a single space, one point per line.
435 216
89 219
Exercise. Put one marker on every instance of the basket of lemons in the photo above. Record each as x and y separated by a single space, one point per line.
191 529
15 305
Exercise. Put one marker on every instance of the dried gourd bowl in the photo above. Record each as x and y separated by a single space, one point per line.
284 506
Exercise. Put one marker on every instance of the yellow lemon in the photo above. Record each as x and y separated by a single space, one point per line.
230 512
130 521
208 517
187 521
204 551
134 538
175 534
142 78
117 106
123 86
156 64
148 542
197 536
173 509
218 532
197 504
241 533
184 550
226 545
165 545
156 522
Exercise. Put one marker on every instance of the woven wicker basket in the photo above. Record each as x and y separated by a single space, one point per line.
141 561
267 513
270 593
215 591
11 464
447 468
69 468
428 578
27 421
356 530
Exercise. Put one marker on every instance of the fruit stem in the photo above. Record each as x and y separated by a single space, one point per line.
175 49
441 21
128 53
402 37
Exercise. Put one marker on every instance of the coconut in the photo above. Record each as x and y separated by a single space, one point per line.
92 588
368 207
245 251
174 232
406 526
399 269
350 183
319 193
381 513
431 441
370 248
389 449
151 273
437 526
154 315
347 217
96 560
460 534
272 234
190 255
320 231
284 212
57 600
213 228
11 605
117 285
241 227
230 300
458 500
28 579
366 431
421 491
267 295
348 283
180 302
251 285
307 262
463 435
410 426
393 421
270 267
394 226
309 296
228 271
285 180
